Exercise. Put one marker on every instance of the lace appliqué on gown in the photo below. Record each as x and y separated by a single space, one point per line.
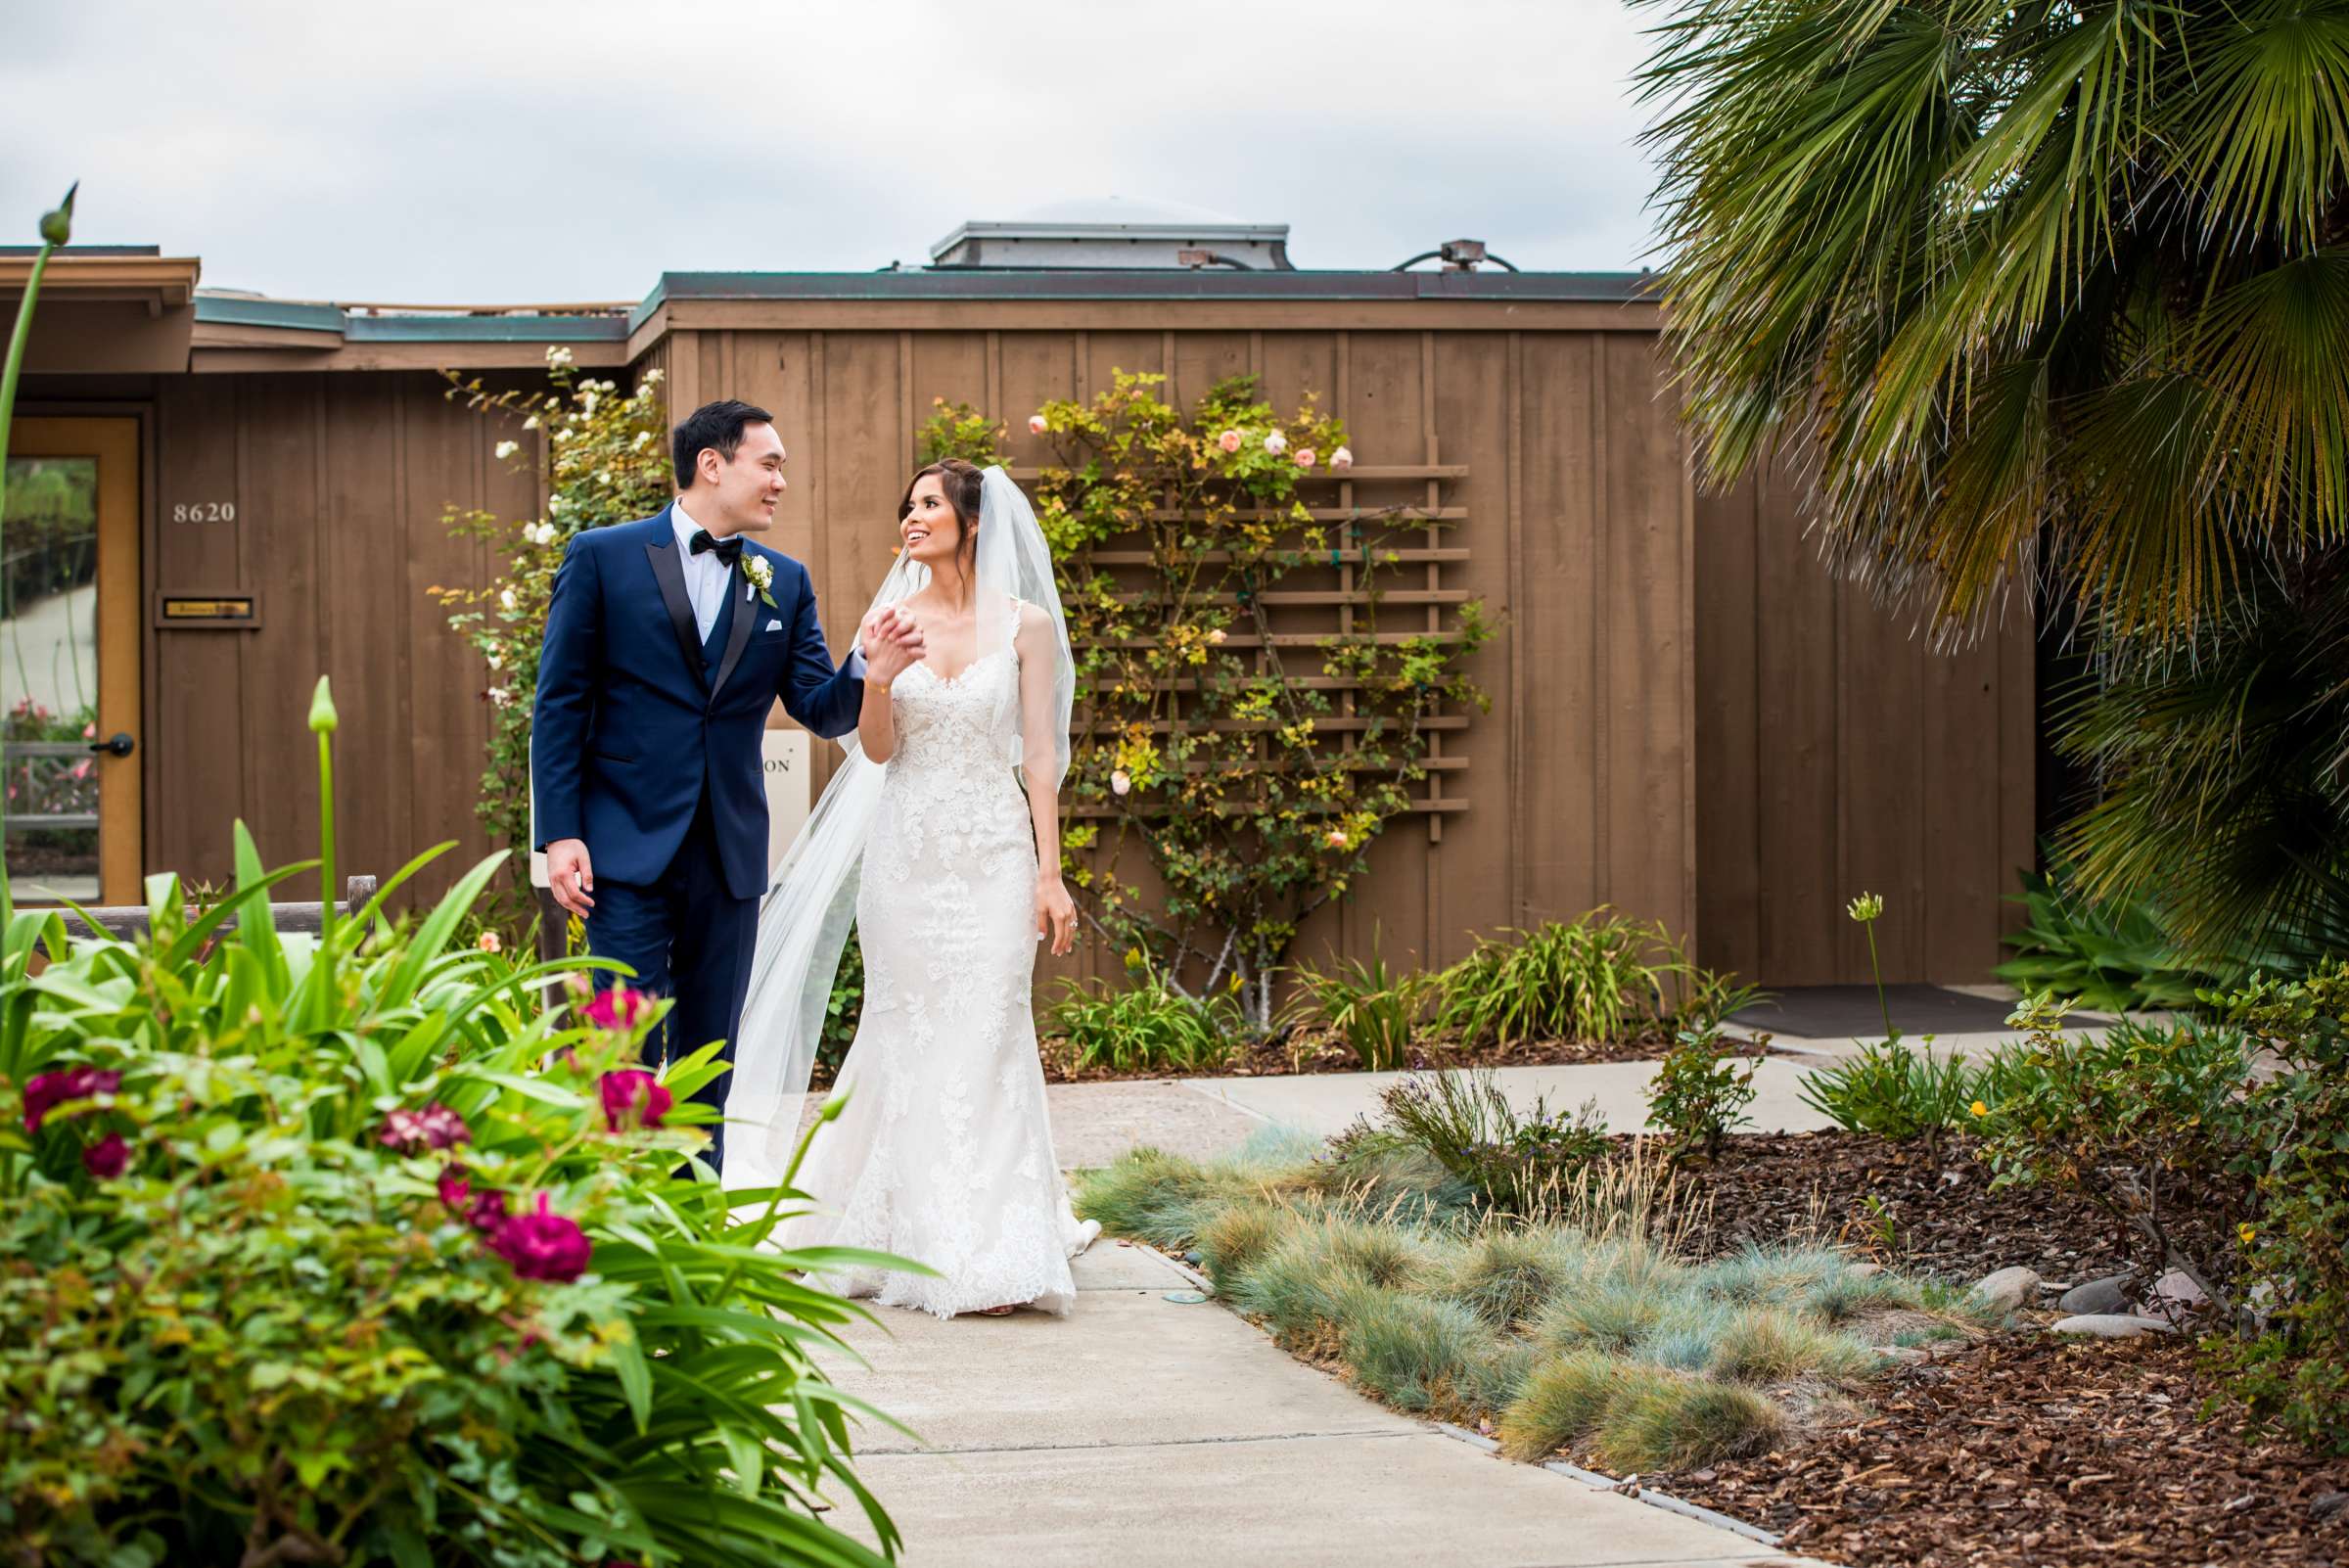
944 1151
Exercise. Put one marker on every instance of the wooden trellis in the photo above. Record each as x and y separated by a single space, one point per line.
1439 794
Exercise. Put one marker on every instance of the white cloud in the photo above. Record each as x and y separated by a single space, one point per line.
509 151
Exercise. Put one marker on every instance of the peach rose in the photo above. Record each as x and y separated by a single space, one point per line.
1037 425
1230 441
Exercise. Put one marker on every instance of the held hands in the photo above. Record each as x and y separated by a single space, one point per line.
892 640
1055 915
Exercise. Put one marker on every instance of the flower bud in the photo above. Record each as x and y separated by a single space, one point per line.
322 710
57 227
1038 423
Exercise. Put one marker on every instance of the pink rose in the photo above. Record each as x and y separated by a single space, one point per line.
1305 457
1276 444
1342 458
82 769
1037 425
488 1210
435 1127
1121 782
633 1097
46 1091
1230 441
542 1245
490 942
616 1008
89 732
108 1158
1337 839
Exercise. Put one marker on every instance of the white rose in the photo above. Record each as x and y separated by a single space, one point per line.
558 355
642 436
506 449
507 602
652 377
495 663
1277 443
587 403
531 422
1343 458
1120 782
499 696
1037 425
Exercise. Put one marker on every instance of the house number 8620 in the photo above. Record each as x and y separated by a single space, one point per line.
204 512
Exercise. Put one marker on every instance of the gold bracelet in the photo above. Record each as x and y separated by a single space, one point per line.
875 681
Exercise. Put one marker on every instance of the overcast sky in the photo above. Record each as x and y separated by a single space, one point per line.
380 150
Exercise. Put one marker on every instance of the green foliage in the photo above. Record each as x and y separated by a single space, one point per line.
604 458
1376 1012
2146 1122
1895 1091
2294 1367
1151 1028
1697 1095
2050 299
1672 1421
2115 958
1603 976
1516 1164
1204 745
843 1010
339 1248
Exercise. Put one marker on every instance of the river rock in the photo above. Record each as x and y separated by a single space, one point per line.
2098 1297
2111 1325
2008 1289
2177 1288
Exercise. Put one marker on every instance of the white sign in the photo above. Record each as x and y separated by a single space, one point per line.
789 797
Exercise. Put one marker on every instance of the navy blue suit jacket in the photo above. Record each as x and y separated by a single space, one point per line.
630 729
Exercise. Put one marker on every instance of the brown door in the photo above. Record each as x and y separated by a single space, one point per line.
70 661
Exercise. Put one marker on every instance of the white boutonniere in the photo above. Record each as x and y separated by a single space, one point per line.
760 573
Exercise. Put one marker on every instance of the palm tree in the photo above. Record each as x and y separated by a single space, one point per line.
2055 298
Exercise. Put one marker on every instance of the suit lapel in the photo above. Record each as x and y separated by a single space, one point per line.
669 572
745 620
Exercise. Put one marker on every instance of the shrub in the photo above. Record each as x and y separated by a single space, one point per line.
1376 1013
327 1247
1600 977
843 1010
1565 1398
1413 1352
1150 1028
2144 1122
1505 1275
1895 1092
1516 1164
1697 1096
1670 1420
2294 1367
2112 957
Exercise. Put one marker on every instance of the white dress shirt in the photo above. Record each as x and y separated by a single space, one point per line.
705 580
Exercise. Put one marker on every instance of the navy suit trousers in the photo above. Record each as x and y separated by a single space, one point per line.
688 937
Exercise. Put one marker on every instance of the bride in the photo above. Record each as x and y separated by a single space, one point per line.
940 837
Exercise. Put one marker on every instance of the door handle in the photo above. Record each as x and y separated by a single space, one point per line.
117 745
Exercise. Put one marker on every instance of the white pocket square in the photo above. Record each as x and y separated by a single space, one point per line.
774 625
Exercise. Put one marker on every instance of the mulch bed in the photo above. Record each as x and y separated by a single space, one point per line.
1897 1204
1322 1052
2031 1450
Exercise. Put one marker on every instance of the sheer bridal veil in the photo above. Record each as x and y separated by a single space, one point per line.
810 901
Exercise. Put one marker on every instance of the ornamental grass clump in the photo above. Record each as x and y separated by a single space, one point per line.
1607 1346
342 1247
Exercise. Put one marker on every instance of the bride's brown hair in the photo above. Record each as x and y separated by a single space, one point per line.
963 484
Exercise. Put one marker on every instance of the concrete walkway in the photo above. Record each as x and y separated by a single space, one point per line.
1140 1432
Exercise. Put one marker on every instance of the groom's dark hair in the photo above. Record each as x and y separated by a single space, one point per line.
717 425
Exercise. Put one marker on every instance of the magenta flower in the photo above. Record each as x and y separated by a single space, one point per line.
456 1189
542 1245
435 1127
616 1008
632 1097
488 1210
45 1091
108 1158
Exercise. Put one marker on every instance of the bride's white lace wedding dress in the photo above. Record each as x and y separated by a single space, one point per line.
943 1153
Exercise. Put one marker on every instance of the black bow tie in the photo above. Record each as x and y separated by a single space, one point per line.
729 549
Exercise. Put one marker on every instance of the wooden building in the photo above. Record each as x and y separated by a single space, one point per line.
1690 719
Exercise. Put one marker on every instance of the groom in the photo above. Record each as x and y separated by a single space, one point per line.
668 641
